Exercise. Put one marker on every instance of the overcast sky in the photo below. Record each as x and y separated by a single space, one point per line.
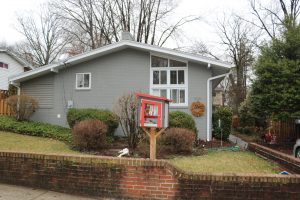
209 10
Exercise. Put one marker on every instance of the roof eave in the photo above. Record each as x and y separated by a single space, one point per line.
115 47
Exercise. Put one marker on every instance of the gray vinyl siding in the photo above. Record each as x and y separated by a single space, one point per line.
43 90
112 76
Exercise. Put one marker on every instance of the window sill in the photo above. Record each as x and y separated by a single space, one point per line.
82 89
178 106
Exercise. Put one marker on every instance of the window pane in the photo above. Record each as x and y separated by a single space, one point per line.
79 80
86 80
163 93
175 63
159 62
163 77
1 64
173 77
180 76
155 92
5 66
155 77
174 96
182 96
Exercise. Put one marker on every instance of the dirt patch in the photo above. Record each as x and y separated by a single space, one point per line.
215 143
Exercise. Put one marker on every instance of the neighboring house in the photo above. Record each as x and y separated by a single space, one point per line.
218 99
10 65
96 79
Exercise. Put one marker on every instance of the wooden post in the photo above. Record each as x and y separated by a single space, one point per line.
153 135
152 144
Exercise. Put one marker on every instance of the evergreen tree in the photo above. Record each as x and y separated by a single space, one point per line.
276 90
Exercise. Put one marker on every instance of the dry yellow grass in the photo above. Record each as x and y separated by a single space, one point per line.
226 162
24 143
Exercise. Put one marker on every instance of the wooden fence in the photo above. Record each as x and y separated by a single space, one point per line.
4 108
286 131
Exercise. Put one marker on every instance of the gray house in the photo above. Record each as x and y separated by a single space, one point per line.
96 79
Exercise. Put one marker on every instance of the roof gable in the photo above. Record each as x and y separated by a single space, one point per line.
90 55
16 58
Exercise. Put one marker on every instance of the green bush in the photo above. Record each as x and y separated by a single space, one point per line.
89 134
225 115
180 140
76 115
35 129
179 119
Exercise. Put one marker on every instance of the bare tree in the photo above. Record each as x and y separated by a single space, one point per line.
237 36
147 20
199 47
126 110
45 40
84 21
271 18
94 23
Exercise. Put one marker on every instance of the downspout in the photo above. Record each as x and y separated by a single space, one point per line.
209 107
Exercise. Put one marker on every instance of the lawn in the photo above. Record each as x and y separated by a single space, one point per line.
24 143
227 162
214 161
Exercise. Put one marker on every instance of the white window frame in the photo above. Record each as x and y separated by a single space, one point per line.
170 86
90 82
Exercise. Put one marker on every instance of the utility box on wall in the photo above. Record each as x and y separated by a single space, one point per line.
153 111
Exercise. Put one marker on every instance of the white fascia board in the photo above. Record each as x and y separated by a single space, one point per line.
187 56
35 71
115 46
95 52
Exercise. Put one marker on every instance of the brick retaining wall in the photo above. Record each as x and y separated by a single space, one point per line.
138 179
288 161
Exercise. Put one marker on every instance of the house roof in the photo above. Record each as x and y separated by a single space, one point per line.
16 58
123 44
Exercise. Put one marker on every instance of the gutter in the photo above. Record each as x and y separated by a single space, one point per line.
209 107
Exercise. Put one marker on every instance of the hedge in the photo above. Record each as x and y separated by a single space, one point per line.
179 119
109 118
35 129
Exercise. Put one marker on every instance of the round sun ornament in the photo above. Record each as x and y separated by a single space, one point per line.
197 108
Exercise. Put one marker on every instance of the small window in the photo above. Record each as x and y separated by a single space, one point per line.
160 92
178 96
83 81
159 62
159 77
175 63
3 65
177 77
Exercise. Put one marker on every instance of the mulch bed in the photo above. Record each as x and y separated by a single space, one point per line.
142 151
215 143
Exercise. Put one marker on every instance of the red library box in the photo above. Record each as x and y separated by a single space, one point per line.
153 111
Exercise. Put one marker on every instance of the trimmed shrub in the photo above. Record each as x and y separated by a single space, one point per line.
23 106
180 140
35 129
76 115
89 134
225 115
179 119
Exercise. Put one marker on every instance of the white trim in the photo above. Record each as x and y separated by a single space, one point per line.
121 45
90 81
170 86
208 106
